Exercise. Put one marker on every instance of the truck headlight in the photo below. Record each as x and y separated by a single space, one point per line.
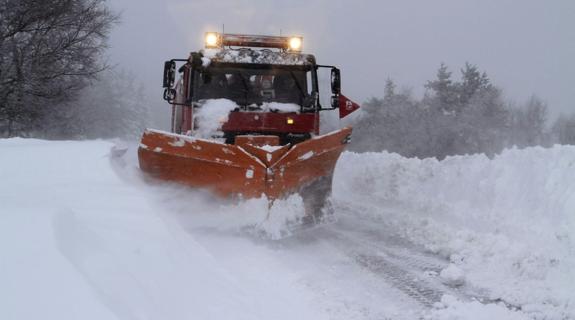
295 43
212 40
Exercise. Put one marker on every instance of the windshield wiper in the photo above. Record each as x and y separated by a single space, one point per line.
297 83
245 86
302 94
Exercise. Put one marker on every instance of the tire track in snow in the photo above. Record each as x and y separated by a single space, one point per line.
378 249
404 281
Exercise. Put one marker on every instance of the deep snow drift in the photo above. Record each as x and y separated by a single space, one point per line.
507 225
85 238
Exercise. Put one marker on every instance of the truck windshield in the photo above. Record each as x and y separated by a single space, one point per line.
254 86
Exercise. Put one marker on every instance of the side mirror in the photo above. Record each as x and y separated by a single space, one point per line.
169 74
335 102
335 81
169 94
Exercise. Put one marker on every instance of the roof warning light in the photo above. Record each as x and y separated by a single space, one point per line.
219 40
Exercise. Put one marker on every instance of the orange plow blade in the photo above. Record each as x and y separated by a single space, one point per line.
245 169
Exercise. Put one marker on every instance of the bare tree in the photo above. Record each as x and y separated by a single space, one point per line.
49 50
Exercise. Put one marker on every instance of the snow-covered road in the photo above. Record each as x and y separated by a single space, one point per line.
83 237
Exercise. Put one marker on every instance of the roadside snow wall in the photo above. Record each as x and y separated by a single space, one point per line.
507 223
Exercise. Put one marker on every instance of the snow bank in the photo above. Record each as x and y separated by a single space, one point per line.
507 224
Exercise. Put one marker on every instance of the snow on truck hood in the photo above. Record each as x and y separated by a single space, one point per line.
256 57
214 112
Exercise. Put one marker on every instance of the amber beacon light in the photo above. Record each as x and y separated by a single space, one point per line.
219 40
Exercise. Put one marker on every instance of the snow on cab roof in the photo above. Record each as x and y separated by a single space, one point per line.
257 56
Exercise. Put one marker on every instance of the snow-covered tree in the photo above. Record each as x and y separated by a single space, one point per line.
472 82
444 93
454 117
536 118
563 130
485 122
389 89
528 124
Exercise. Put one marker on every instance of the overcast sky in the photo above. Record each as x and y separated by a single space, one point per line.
526 46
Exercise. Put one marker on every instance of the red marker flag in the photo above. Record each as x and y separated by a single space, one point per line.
346 106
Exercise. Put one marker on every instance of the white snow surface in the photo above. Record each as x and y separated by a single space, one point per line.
255 57
306 155
280 107
453 309
508 223
269 148
78 241
452 275
82 236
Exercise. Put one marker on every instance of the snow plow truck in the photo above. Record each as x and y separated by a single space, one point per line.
245 122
